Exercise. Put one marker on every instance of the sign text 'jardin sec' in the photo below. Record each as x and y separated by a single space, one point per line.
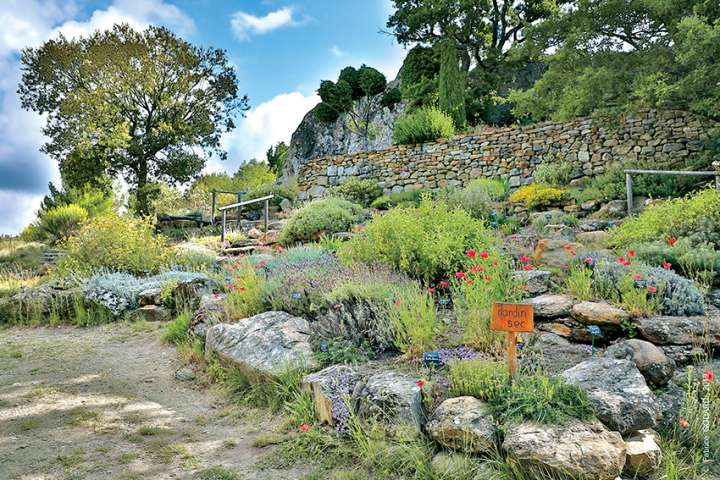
512 318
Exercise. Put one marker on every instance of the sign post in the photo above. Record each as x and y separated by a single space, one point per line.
512 318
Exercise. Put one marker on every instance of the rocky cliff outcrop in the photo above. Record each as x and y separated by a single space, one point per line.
314 138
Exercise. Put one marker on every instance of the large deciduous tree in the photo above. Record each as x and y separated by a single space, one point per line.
147 106
615 56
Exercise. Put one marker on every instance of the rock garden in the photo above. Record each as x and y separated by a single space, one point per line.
367 328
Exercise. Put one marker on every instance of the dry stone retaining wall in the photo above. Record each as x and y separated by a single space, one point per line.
665 138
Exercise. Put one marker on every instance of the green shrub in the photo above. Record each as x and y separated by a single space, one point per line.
319 217
537 196
414 321
343 352
428 243
409 198
59 223
543 399
246 290
360 191
556 174
424 125
115 243
695 217
700 262
176 332
554 218
479 197
479 378
579 282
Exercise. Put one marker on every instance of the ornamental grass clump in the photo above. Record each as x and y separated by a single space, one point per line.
480 378
428 243
321 217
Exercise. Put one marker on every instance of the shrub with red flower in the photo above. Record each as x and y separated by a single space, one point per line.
666 265
460 275
672 241
471 253
484 254
709 376
420 383
304 427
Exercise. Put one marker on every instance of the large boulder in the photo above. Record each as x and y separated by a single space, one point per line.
189 294
211 312
151 313
578 450
536 281
643 455
696 330
270 343
551 306
554 353
599 313
151 296
656 367
464 424
554 253
618 391
391 398
671 399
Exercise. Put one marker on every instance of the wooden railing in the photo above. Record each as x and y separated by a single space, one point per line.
239 205
630 173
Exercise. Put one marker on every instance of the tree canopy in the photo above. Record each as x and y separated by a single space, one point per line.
147 106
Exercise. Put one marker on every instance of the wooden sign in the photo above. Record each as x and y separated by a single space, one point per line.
512 318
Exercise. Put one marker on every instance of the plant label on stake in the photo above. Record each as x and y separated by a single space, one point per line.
512 318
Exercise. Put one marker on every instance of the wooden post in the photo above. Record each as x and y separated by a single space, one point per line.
512 355
212 209
239 199
224 221
717 182
267 214
629 188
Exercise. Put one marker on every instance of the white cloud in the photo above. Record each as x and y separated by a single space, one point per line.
337 51
245 24
265 125
24 171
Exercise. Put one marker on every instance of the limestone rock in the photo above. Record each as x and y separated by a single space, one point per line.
618 392
185 374
578 450
151 296
331 388
554 353
211 312
269 343
655 366
551 305
671 398
391 398
285 205
643 455
553 253
537 281
599 313
464 424
190 293
697 330
614 209
151 313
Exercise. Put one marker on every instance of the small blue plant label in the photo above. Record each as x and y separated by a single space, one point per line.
296 295
432 358
595 331
324 346
444 301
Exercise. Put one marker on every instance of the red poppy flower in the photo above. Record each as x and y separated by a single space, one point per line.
627 263
631 253
484 254
397 302
470 282
684 423
524 258
666 265
637 277
443 284
573 253
652 289
476 269
257 265
471 253
567 247
671 241
528 267
240 289
709 376
304 427
488 277
431 291
460 274
337 306
494 262
588 260
420 383
621 259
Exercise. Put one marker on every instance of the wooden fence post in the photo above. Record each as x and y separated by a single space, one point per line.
239 199
212 209
267 214
629 188
224 220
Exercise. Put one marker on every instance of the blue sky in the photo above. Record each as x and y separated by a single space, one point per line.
281 51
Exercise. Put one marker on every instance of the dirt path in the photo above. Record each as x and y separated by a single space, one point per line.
103 403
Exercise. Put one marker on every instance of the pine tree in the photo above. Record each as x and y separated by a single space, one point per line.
451 83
